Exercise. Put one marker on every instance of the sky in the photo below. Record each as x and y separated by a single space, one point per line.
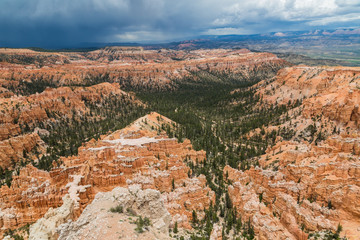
45 23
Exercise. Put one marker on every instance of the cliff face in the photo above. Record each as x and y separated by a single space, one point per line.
329 91
22 110
12 150
309 183
135 67
19 115
140 154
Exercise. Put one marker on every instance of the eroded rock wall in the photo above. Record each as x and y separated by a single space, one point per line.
136 155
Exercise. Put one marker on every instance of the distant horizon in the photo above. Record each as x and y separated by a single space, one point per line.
67 23
97 45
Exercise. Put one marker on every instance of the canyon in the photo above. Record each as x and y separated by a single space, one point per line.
219 169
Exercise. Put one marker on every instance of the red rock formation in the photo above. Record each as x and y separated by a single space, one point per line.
12 150
124 65
136 154
34 109
305 185
63 100
27 56
298 191
137 67
8 130
329 91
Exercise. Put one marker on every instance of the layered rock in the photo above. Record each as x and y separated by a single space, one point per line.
301 186
45 228
333 92
98 222
139 68
140 154
19 114
27 56
12 150
309 183
64 100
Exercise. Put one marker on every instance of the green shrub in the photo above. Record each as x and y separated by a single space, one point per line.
141 224
117 209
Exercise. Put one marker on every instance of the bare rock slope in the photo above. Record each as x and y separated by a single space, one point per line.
98 222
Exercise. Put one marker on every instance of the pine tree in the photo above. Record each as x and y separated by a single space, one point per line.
176 227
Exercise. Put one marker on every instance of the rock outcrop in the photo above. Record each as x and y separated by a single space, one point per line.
20 114
333 92
12 149
140 154
35 108
45 228
304 185
98 222
308 184
30 57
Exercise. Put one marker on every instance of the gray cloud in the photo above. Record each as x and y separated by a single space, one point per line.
67 22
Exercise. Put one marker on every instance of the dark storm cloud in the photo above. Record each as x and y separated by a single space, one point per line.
67 22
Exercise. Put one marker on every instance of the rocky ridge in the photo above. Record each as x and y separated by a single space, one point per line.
308 185
140 154
98 222
136 68
20 114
